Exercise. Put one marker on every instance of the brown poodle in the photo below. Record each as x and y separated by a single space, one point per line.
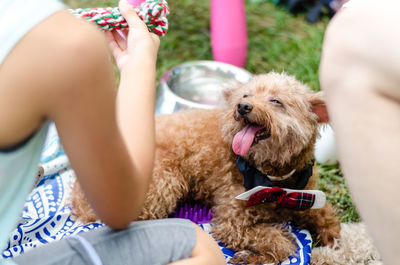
270 127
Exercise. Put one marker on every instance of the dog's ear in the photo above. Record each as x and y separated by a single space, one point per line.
228 91
318 106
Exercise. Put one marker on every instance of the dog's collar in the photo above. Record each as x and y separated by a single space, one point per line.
253 177
281 178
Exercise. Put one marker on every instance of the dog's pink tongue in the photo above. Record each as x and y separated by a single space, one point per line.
243 140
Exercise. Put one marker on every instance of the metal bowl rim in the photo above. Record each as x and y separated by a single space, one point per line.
183 101
165 77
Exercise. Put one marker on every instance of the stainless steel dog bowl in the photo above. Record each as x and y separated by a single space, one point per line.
196 85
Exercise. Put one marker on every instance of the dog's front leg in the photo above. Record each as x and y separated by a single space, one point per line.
244 229
168 186
323 222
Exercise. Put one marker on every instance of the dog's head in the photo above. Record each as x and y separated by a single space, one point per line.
273 120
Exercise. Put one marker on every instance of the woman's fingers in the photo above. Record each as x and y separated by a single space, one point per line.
114 47
120 38
129 13
137 27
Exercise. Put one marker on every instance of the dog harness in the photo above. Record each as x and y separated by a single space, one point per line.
262 190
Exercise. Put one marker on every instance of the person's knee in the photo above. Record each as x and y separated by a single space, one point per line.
78 62
86 50
344 57
358 42
85 53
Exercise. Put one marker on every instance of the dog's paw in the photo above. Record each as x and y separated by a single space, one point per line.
278 249
249 257
241 257
327 236
274 243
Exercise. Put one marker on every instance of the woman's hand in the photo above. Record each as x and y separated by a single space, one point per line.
140 42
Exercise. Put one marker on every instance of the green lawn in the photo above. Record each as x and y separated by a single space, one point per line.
278 41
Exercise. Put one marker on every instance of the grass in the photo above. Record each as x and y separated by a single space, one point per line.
334 186
278 41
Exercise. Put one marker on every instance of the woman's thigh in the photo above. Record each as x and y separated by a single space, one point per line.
145 242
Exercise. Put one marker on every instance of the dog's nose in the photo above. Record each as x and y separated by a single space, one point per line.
244 107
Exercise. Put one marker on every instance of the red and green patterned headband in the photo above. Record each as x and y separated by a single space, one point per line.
152 12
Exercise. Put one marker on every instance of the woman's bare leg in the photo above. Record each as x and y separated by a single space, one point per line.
360 72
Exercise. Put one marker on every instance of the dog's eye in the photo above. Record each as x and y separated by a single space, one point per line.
245 96
275 101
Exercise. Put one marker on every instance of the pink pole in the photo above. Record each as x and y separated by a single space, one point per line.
135 2
229 32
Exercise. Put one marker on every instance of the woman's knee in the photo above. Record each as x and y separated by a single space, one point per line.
81 50
345 54
75 63
359 41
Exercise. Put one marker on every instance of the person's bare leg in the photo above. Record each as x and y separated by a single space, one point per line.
360 72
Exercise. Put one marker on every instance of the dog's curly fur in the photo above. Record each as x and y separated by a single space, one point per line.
354 247
194 158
